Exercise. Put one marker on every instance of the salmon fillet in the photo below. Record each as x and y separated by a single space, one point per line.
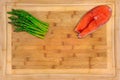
93 19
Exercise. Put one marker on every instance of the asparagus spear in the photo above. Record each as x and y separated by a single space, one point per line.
24 21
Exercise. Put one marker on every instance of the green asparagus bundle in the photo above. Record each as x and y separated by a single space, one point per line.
24 21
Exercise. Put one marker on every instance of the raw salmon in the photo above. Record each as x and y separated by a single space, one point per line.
92 20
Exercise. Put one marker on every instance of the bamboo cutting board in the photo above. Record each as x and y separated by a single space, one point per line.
61 51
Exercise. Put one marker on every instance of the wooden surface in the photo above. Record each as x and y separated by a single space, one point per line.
61 51
61 76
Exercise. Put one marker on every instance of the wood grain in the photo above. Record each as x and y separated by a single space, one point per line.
117 34
65 2
92 53
58 76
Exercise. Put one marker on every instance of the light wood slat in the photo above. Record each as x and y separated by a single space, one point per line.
67 2
117 37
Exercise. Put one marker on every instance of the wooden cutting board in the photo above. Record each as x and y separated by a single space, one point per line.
61 51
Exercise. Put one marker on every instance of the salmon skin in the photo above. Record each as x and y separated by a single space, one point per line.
92 20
